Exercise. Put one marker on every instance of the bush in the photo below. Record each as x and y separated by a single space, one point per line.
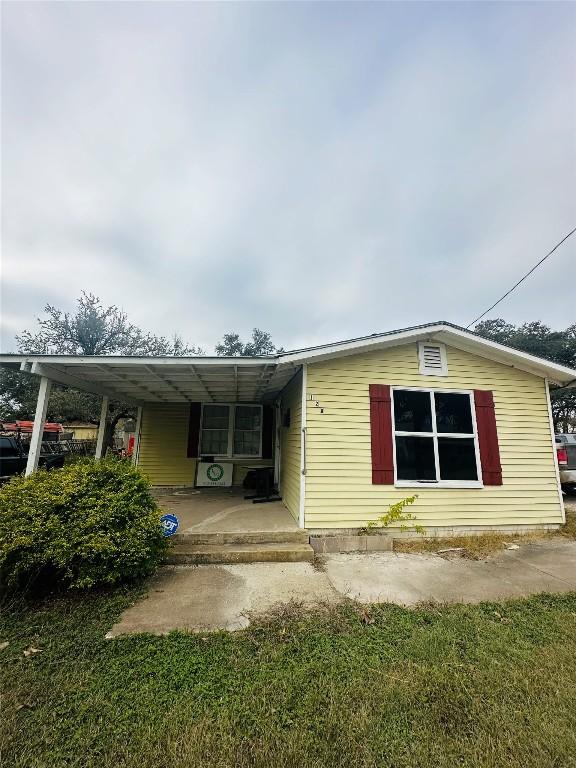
91 523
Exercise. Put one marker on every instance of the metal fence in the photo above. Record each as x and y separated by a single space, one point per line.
71 447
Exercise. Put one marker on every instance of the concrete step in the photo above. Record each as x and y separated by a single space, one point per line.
272 552
242 537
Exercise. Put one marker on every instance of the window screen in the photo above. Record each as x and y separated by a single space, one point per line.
247 430
215 426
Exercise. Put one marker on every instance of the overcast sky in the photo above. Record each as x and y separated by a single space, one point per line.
318 170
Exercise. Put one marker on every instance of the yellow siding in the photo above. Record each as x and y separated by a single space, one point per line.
339 490
82 432
290 446
164 445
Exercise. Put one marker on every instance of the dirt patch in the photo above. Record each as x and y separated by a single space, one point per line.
469 547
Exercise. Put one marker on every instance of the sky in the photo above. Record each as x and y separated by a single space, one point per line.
318 170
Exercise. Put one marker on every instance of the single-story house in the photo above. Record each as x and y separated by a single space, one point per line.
349 427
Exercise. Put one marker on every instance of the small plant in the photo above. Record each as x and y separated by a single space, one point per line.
396 514
91 523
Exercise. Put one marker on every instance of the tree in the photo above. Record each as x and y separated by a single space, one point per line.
538 339
96 330
232 346
92 329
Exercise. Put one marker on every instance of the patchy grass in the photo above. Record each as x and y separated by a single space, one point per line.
569 529
478 686
478 547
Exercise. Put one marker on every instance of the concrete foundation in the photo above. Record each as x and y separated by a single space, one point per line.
373 543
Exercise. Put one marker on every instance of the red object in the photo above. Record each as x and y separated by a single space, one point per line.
267 431
562 456
28 426
487 437
194 430
130 449
381 434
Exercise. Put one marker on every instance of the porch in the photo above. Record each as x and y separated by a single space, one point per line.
208 511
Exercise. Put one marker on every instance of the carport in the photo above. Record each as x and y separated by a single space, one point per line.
143 381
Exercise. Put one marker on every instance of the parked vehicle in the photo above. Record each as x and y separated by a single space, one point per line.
14 455
566 454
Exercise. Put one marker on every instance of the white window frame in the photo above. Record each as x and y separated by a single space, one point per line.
231 427
434 434
424 370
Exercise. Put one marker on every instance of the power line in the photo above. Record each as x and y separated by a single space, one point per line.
522 278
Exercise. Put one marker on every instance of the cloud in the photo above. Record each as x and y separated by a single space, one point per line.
318 170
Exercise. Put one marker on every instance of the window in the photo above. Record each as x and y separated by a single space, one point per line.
215 427
231 430
435 437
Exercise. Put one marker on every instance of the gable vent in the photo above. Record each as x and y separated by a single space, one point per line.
432 359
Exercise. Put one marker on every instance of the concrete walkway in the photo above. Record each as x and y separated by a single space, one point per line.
206 598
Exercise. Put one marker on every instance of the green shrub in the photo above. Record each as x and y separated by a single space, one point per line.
91 523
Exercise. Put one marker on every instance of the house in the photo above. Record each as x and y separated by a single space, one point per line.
81 430
349 427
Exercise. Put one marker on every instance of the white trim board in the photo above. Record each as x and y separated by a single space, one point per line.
302 500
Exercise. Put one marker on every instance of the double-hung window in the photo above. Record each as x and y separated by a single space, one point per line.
435 438
231 430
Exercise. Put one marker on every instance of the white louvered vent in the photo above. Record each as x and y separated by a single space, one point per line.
432 359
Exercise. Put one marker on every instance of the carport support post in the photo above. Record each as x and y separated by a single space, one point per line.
136 449
101 428
38 428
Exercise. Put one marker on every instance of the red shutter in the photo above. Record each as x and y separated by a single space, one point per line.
267 431
194 430
381 435
487 437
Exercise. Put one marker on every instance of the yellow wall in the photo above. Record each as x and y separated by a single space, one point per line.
290 446
339 490
164 445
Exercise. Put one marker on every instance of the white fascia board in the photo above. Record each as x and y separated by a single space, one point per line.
558 374
129 360
359 345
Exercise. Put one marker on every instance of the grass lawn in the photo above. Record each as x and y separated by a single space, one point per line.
488 685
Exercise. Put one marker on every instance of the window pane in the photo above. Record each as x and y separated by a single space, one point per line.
215 417
247 417
247 443
412 411
457 458
453 413
214 442
415 458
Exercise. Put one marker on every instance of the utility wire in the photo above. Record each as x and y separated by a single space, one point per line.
542 260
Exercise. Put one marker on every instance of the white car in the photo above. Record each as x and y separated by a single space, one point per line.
566 454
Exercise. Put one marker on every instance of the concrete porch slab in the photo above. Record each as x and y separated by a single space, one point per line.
222 510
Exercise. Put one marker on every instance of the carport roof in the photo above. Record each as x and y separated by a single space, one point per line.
140 380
